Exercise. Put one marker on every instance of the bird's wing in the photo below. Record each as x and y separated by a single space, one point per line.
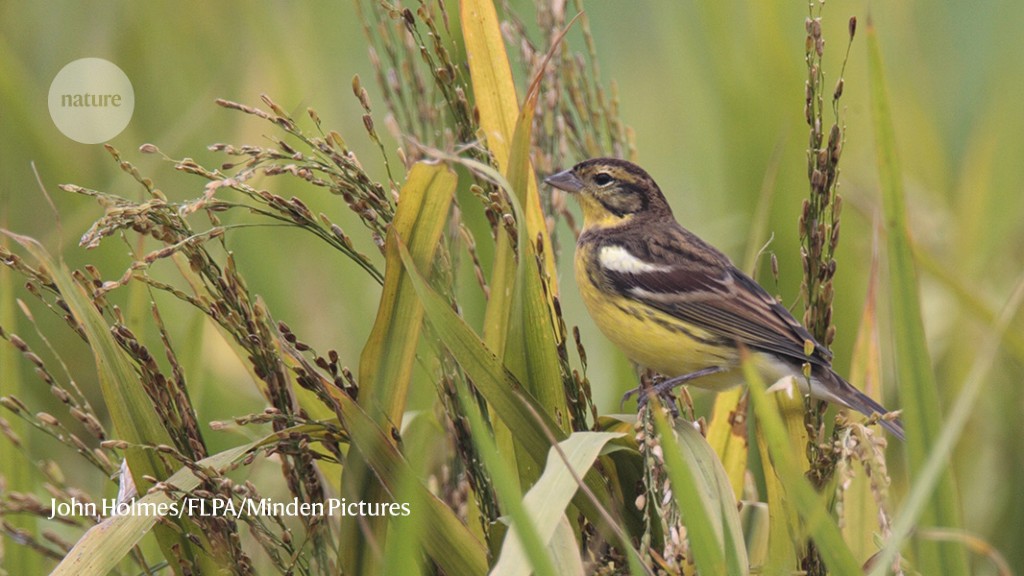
712 294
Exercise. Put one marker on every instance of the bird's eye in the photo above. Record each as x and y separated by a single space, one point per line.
602 178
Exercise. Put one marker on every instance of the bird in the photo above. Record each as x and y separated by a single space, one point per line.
676 305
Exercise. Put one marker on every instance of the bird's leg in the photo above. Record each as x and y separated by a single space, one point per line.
663 388
667 400
666 386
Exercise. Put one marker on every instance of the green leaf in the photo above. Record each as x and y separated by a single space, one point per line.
104 545
422 437
705 497
522 414
531 352
754 517
783 540
547 500
518 321
918 386
448 541
565 550
785 461
499 387
135 420
938 460
386 364
131 410
17 472
533 553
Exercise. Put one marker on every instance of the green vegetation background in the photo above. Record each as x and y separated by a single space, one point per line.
712 90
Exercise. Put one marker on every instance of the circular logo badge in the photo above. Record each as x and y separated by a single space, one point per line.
91 100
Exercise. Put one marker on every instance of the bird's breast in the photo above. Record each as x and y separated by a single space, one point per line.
647 335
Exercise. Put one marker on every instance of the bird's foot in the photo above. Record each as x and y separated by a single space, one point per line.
643 394
663 389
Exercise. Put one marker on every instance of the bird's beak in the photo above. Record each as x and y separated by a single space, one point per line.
565 180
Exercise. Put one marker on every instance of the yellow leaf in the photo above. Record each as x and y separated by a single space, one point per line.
495 98
727 435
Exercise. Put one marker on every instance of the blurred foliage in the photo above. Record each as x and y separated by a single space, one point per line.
713 92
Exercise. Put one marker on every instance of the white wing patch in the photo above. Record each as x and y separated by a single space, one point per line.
618 259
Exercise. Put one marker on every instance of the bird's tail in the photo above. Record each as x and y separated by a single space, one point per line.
846 394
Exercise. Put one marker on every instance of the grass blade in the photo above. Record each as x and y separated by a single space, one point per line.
386 363
547 500
496 101
727 435
938 460
705 497
531 554
783 541
131 411
103 546
918 386
495 97
18 477
385 366
810 506
860 510
505 394
565 550
449 542
532 350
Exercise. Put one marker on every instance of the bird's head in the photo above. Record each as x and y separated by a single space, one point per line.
611 191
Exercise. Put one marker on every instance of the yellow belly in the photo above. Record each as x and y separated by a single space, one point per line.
654 339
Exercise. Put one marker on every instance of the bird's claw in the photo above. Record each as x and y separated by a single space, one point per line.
664 394
627 396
